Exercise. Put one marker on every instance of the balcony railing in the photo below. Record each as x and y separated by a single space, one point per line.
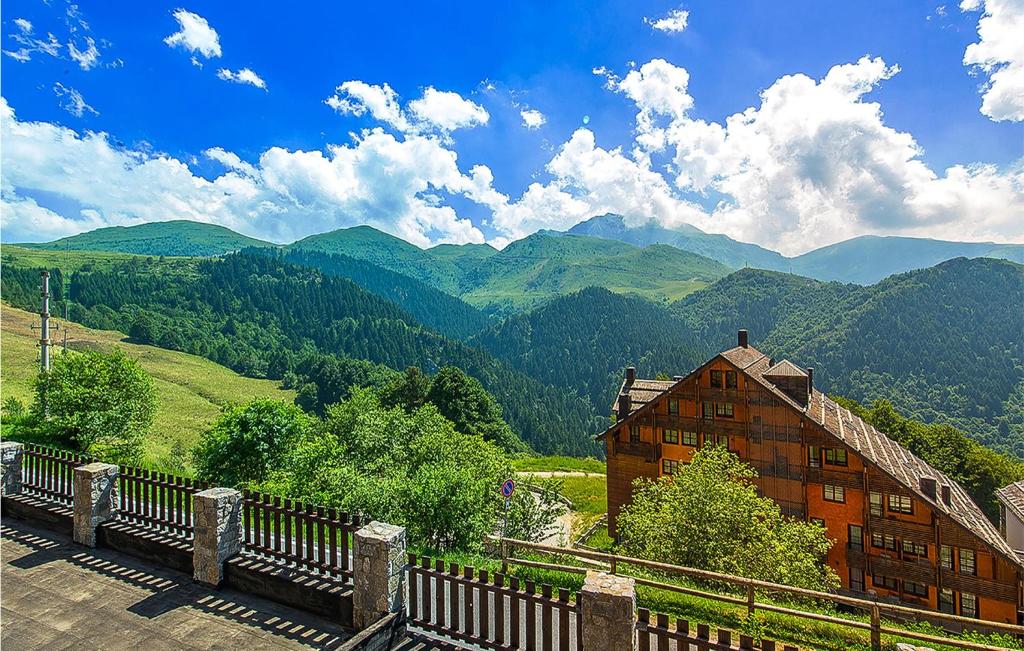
978 585
921 572
649 451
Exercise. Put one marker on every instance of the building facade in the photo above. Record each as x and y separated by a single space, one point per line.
902 529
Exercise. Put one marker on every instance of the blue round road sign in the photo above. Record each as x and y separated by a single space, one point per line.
508 488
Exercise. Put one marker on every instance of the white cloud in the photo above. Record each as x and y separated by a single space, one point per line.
72 101
194 35
377 180
999 53
673 23
24 25
435 111
532 118
447 111
86 58
243 76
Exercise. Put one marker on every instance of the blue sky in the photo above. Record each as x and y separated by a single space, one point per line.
915 133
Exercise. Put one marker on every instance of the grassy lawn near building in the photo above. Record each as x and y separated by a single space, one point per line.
190 390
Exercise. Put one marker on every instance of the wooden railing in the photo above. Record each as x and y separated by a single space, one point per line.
157 501
750 588
305 536
488 611
49 473
654 633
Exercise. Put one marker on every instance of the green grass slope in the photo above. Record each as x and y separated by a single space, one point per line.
190 389
171 238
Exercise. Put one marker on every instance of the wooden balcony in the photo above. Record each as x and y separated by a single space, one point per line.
921 571
777 432
831 475
723 426
902 528
681 423
722 395
979 586
770 469
649 451
855 556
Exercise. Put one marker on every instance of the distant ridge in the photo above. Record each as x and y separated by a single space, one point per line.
180 237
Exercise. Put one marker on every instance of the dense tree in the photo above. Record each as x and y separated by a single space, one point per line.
463 400
97 403
245 443
710 516
408 391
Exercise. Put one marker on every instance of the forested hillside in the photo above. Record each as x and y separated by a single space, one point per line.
258 315
584 340
942 344
433 308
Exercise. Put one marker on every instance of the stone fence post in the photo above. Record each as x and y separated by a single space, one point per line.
378 573
218 532
95 502
10 467
607 612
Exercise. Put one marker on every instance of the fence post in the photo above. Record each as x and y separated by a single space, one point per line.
378 572
10 459
95 486
607 604
876 629
218 532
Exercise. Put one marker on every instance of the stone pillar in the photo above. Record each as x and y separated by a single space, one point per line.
95 499
218 532
378 573
10 467
607 612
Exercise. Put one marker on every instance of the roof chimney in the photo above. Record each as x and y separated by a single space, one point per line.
630 374
625 405
810 382
928 486
678 378
947 496
741 337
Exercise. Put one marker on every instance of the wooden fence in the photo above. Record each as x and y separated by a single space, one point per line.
49 473
309 537
157 500
493 612
654 633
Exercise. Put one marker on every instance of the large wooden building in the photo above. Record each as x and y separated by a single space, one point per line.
902 529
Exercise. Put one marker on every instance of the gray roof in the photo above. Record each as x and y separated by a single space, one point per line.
1012 497
786 368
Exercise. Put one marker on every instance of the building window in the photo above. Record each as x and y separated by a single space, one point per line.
883 541
689 438
723 410
876 504
901 504
707 410
835 456
669 466
946 557
947 601
716 379
814 456
835 493
968 605
884 582
857 579
670 436
855 536
673 406
914 588
911 548
730 379
723 440
967 562
634 433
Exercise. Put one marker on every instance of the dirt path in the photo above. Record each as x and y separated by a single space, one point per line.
547 474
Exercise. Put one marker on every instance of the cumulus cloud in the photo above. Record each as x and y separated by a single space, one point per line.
532 118
435 111
194 35
377 180
243 76
673 23
999 54
72 101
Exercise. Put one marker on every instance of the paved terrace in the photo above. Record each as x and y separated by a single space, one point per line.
59 595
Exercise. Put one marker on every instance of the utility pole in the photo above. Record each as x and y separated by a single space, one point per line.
44 324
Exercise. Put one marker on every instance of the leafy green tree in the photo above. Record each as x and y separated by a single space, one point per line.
465 402
408 391
710 516
530 514
248 440
97 403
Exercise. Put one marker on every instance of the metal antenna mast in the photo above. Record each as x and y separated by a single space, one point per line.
44 324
